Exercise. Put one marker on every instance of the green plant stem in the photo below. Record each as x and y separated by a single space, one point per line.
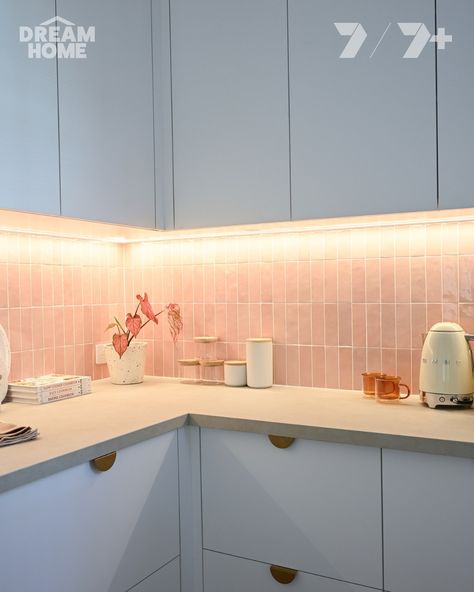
119 325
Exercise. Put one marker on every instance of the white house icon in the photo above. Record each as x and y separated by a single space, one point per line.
59 20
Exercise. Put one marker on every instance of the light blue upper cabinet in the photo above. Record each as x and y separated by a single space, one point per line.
455 104
29 159
230 111
363 129
106 115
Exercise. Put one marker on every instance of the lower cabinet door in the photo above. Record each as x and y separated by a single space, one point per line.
232 574
428 522
81 530
165 579
314 506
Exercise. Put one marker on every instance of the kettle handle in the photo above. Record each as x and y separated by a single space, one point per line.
469 336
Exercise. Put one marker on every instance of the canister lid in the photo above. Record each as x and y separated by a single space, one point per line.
259 339
235 363
447 328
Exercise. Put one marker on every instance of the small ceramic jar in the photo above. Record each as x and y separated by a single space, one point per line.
235 373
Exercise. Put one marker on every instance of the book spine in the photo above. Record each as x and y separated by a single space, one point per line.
59 393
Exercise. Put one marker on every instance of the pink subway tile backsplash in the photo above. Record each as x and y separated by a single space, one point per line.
336 302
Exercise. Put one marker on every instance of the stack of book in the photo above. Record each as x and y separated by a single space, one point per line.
13 434
49 388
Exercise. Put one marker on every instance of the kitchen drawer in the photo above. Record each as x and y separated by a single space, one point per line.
232 574
165 579
81 530
314 506
428 522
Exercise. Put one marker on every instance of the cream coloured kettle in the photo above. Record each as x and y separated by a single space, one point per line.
446 369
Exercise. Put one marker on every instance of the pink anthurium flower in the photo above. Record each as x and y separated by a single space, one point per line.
134 323
146 308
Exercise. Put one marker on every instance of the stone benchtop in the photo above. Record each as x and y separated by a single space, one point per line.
113 417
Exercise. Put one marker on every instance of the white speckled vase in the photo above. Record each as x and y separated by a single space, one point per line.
130 368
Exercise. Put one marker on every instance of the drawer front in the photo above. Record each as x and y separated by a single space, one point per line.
94 531
165 579
232 574
428 522
315 506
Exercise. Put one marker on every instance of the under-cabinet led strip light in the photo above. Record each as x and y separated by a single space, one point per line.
291 228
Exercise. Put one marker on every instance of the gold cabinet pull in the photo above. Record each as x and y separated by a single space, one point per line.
105 462
281 441
283 575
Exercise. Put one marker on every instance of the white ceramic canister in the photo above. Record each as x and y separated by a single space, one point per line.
259 362
235 373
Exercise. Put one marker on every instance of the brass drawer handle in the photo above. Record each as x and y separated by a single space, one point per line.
281 441
283 575
105 462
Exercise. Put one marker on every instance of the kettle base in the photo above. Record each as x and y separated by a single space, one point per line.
434 400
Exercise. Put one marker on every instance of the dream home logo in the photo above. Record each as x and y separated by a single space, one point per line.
57 37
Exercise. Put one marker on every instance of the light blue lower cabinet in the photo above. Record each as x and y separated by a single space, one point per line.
165 579
315 506
224 573
81 530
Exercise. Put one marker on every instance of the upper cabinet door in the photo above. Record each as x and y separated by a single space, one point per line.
230 111
29 159
363 128
455 104
106 115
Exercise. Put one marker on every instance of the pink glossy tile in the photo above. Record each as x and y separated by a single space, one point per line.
243 313
374 359
450 278
330 281
332 367
345 368
388 325
267 320
279 282
13 279
418 323
466 317
389 361
304 324
317 281
358 280
466 238
317 324
359 357
373 279
433 240
292 324
279 361
306 366
374 325
26 322
466 278
25 285
434 279
418 279
291 271
434 313
3 286
344 322
292 365
304 281
318 359
344 279
387 280
402 279
331 331
255 320
231 278
267 282
359 325
403 325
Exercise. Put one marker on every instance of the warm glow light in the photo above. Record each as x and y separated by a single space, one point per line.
37 225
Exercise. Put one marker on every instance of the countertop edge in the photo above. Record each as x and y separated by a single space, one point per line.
71 459
337 435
